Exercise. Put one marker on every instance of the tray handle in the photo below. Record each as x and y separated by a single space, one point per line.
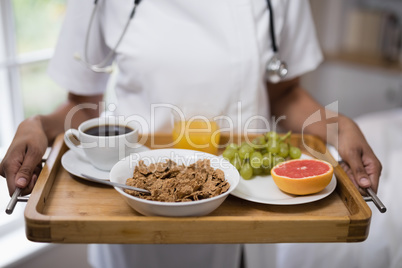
374 198
14 199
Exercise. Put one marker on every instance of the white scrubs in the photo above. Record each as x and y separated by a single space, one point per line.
176 51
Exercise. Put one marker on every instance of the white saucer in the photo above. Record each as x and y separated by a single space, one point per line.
76 165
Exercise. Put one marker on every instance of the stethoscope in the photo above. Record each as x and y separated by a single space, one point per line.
275 69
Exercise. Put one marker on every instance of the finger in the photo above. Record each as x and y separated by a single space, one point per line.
2 173
9 170
374 181
349 172
27 168
359 172
373 168
32 182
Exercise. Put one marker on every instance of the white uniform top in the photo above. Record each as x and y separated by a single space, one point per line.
210 51
178 50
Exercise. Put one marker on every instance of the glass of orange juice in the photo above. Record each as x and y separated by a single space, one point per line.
196 128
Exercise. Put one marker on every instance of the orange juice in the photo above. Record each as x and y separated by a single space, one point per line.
202 135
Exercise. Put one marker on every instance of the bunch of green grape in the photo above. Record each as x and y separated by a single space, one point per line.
263 153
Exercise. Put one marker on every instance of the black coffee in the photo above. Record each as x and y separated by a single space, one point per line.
108 130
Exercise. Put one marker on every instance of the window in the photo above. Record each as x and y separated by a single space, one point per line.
28 34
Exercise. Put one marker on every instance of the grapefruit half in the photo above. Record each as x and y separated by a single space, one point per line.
302 176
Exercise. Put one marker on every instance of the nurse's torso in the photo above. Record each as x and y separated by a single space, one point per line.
176 51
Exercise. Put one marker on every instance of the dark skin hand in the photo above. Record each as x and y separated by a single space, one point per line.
22 163
288 98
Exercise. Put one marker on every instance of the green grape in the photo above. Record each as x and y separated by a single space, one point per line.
245 151
236 162
246 171
264 150
283 149
233 146
258 171
258 142
244 143
267 160
248 147
273 146
266 170
256 160
277 159
272 135
229 153
294 152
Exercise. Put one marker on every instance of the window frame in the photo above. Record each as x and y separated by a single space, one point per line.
11 101
8 63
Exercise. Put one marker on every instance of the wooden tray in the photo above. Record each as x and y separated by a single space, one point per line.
64 209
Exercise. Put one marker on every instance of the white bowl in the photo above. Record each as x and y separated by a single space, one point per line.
124 169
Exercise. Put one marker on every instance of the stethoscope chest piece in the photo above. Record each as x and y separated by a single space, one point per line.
275 69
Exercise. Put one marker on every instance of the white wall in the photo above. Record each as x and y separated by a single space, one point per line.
358 90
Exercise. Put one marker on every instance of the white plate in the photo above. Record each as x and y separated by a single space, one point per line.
262 189
76 165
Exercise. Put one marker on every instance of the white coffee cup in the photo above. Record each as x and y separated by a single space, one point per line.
103 141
